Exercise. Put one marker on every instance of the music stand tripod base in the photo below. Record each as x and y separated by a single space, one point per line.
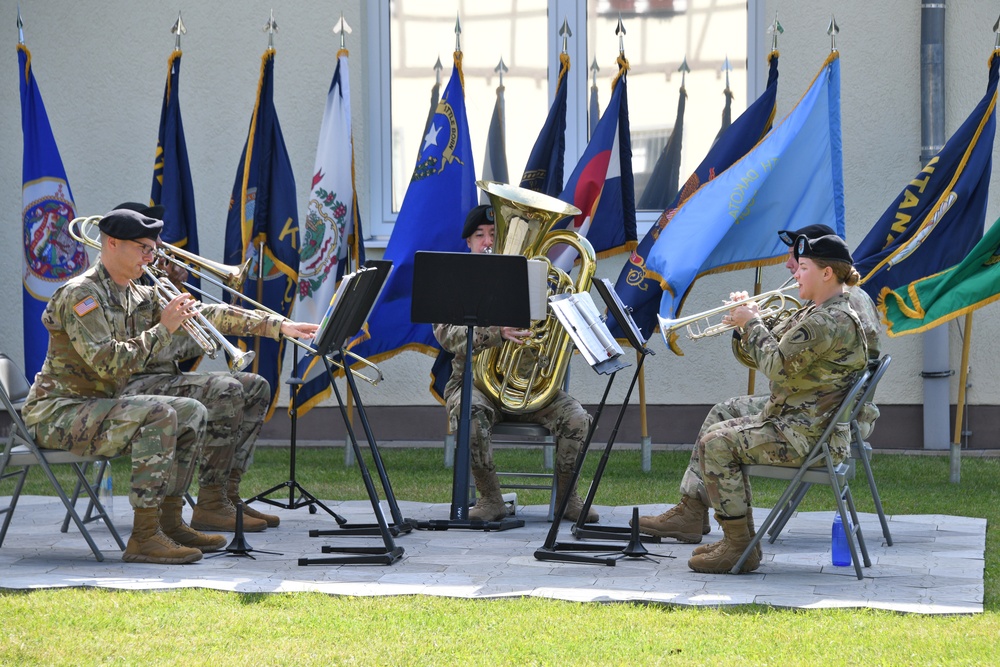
365 556
468 524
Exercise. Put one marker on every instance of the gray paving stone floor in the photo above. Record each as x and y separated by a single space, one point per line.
934 567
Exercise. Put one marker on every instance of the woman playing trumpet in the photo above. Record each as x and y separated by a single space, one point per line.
811 359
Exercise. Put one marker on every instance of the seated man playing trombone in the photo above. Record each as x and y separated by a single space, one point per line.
104 328
811 358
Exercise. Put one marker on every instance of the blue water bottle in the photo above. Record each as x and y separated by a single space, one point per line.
839 546
104 492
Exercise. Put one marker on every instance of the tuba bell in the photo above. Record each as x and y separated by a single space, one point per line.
526 377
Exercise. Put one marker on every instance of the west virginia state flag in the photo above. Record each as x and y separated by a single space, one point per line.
331 240
963 288
793 177
601 186
441 193
641 292
945 202
51 256
263 224
172 184
544 169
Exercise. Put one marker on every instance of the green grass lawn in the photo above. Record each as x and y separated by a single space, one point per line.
193 627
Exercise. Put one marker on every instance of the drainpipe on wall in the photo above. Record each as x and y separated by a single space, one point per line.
936 373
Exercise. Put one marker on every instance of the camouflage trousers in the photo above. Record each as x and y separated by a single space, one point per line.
162 433
733 434
236 405
564 417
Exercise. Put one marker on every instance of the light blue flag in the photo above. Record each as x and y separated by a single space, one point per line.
442 191
792 178
51 256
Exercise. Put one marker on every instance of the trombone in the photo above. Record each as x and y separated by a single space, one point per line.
772 304
203 332
228 278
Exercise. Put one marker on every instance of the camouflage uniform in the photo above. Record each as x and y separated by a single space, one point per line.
811 359
564 416
100 336
236 403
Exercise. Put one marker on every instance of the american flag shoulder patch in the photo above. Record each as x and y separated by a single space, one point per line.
85 306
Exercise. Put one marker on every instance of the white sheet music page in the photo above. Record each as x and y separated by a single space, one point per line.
583 323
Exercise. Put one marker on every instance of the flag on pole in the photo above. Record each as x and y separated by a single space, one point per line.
441 193
661 188
263 224
925 303
51 256
793 177
331 241
641 292
594 112
945 202
172 185
601 186
495 162
727 111
544 169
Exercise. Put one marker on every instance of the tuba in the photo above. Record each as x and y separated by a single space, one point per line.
524 221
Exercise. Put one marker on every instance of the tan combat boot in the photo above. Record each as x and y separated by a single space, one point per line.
683 522
721 559
490 505
233 493
575 504
757 553
214 512
173 526
148 544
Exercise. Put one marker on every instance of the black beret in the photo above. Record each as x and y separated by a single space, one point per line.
788 236
127 225
830 247
155 211
481 215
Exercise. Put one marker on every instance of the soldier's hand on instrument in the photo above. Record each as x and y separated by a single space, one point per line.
515 335
740 315
176 274
182 307
738 296
298 329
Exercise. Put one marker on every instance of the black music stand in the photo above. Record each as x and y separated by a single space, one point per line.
552 550
469 290
304 498
352 304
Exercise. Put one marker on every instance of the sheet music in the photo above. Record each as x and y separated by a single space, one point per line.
583 323
538 288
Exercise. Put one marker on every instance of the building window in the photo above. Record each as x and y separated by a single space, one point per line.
406 38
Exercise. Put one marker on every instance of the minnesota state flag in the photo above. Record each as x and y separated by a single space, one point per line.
51 256
263 224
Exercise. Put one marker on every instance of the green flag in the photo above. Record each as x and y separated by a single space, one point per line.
928 302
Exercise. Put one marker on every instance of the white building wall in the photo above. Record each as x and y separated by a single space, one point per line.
101 69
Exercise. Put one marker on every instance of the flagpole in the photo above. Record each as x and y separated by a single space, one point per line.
963 376
752 375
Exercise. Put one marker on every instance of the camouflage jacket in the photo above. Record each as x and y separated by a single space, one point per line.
101 334
452 338
811 359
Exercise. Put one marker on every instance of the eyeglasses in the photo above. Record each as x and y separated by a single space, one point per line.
145 249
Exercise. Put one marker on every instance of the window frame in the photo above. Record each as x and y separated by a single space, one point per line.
380 218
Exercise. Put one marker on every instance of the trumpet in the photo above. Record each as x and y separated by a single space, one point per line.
228 278
203 332
773 304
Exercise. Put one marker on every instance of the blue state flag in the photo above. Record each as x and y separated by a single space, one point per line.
641 292
172 185
544 170
944 204
51 256
601 186
441 193
263 224
330 241
793 177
